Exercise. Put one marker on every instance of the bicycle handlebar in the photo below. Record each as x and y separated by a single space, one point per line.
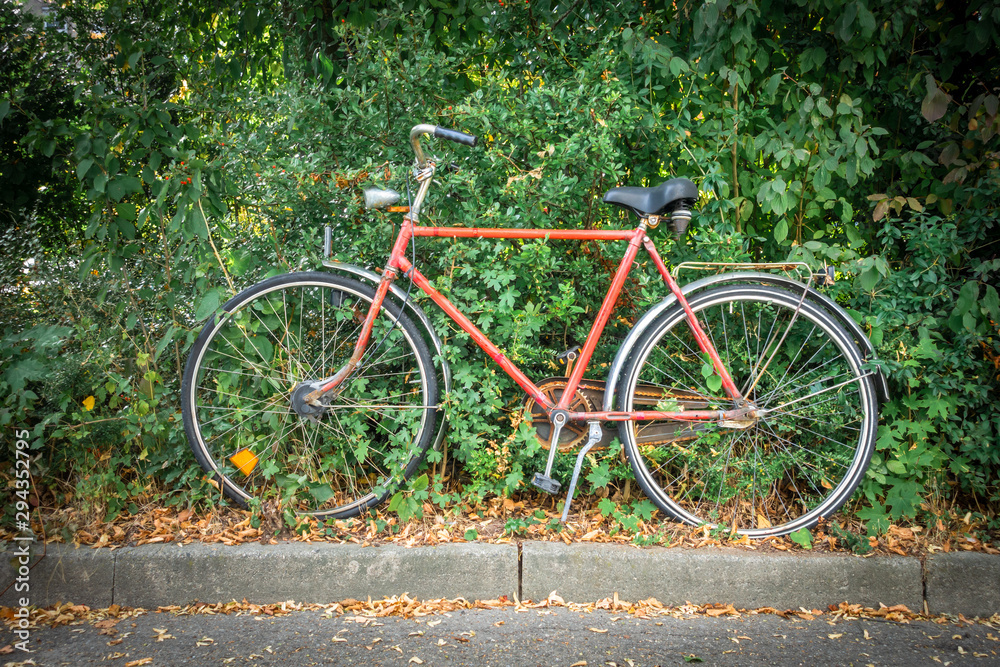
456 136
440 133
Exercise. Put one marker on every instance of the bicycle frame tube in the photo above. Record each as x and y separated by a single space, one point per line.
703 341
636 238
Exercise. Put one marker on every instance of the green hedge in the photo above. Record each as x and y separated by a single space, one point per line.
203 149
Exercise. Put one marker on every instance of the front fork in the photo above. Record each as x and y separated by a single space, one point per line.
330 385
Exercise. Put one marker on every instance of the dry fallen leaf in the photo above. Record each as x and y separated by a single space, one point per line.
139 662
836 636
161 634
598 630
204 641
415 660
582 663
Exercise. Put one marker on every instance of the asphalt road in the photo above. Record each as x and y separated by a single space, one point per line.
545 637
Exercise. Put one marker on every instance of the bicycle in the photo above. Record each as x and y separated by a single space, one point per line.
745 399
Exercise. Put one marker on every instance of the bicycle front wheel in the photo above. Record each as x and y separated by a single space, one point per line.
243 386
803 455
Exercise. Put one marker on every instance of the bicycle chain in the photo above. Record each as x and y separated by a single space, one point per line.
579 429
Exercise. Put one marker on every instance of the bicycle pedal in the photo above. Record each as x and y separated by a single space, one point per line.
546 484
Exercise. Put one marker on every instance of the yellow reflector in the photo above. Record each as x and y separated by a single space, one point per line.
244 460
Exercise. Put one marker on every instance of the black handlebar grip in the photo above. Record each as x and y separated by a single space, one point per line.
456 136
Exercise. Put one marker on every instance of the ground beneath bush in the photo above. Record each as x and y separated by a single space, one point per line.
529 516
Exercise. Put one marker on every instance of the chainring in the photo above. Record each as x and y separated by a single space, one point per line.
573 433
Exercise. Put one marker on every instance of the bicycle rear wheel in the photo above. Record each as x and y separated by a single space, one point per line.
257 441
804 455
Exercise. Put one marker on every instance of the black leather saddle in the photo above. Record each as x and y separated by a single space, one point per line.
657 200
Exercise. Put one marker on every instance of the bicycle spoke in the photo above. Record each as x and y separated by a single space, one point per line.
339 458
768 477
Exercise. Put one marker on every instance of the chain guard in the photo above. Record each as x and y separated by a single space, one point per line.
590 393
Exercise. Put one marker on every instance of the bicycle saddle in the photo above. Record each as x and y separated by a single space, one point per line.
656 200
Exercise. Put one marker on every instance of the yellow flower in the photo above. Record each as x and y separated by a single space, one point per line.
88 403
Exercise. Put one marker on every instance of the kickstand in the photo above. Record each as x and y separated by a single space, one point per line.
593 438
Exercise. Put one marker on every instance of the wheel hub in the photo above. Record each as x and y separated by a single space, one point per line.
748 416
311 411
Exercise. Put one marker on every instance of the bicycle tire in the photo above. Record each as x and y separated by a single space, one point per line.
247 362
806 454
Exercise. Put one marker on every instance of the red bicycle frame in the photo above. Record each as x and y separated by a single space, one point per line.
635 237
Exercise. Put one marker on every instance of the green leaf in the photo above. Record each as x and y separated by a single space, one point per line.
166 340
4 109
781 230
208 305
83 168
471 535
967 297
197 223
22 371
802 537
938 408
600 476
125 185
896 467
869 279
100 181
845 25
991 303
876 518
322 493
772 83
607 506
394 502
935 102
126 211
420 483
867 21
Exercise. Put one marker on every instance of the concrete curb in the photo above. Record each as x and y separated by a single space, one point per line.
744 579
169 574
154 575
966 582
